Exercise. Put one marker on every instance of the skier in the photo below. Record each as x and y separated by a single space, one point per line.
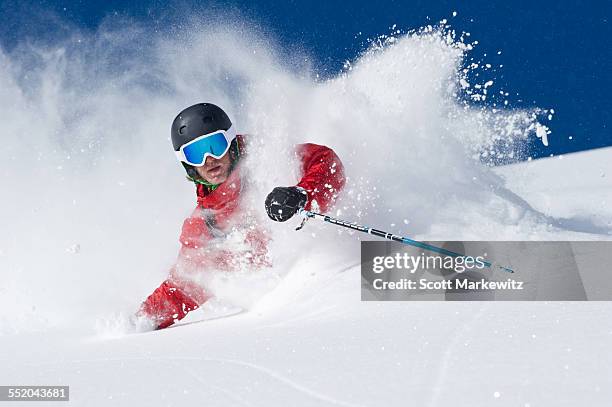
206 144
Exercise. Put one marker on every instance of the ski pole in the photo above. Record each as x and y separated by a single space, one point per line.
389 236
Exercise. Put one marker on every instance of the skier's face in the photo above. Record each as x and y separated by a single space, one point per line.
215 170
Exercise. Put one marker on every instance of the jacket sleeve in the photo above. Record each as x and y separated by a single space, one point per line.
195 233
177 296
322 175
171 302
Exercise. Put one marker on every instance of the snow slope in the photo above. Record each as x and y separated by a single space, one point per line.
92 207
312 342
552 185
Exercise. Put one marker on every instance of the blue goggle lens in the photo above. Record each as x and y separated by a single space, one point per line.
215 145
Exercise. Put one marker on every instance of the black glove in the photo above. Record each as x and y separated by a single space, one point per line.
283 202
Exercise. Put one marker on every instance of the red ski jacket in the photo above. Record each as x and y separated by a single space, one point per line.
216 215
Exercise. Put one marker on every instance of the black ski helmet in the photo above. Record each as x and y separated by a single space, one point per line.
195 121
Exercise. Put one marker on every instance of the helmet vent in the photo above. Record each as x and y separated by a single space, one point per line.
182 129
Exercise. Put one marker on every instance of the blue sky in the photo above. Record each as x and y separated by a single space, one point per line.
555 54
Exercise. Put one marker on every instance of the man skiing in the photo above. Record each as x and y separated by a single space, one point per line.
206 144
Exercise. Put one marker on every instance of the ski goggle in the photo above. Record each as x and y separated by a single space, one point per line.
214 144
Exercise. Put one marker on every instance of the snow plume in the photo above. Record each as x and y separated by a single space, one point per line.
93 198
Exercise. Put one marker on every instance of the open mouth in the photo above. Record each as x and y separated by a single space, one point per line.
214 171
